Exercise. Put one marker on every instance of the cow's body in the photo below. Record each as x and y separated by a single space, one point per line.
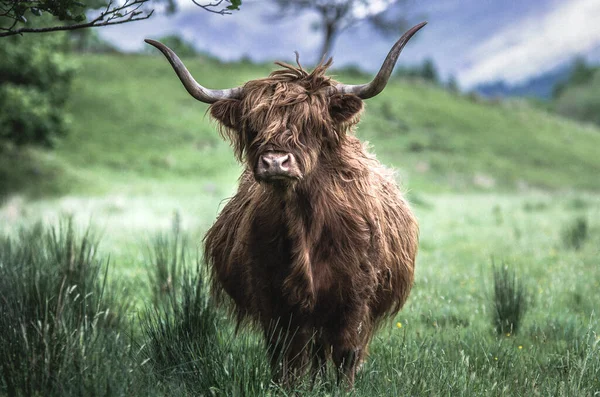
354 233
317 246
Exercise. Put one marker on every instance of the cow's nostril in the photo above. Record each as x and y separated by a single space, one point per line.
266 162
284 162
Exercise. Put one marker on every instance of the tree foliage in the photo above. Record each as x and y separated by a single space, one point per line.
426 71
578 97
581 73
334 16
581 101
452 85
35 78
180 45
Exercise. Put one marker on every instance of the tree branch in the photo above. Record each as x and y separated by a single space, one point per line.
74 27
210 7
111 15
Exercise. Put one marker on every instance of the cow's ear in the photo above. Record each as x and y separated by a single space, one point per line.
344 107
227 112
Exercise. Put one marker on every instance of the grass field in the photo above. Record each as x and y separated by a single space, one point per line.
493 184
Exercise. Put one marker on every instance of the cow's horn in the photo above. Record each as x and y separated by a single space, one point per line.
369 90
196 90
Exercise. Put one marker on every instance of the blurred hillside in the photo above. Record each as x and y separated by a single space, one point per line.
571 90
134 129
541 86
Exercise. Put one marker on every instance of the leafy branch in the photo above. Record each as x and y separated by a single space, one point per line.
69 11
217 7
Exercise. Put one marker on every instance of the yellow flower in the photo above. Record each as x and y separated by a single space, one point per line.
399 324
508 334
520 347
496 358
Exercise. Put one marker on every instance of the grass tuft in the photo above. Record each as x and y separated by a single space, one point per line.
510 301
167 258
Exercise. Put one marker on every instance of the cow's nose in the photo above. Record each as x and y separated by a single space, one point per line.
276 164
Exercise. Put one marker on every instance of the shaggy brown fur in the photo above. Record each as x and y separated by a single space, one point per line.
319 261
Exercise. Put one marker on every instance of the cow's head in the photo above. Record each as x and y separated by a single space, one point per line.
282 125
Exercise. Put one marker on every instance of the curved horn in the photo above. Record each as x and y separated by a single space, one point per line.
196 90
369 90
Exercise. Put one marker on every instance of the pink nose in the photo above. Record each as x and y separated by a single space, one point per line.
276 164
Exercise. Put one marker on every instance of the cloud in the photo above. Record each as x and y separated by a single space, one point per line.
535 44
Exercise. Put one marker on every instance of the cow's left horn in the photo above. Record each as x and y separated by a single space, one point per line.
369 90
196 90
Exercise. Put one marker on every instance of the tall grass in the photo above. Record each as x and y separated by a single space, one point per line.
509 301
167 257
189 343
62 334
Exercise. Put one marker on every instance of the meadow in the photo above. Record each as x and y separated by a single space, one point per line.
498 188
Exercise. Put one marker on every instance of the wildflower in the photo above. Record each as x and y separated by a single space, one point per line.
520 347
508 334
496 358
399 324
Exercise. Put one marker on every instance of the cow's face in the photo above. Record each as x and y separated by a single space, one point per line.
283 129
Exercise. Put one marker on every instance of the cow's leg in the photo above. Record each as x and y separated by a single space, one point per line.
349 342
345 360
275 338
288 353
319 360
296 355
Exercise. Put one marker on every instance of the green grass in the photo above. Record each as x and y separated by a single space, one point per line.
490 183
446 343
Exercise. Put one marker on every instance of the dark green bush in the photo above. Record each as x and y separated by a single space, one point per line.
575 233
35 80
581 102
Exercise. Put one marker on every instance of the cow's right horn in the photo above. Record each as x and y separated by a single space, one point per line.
196 90
369 90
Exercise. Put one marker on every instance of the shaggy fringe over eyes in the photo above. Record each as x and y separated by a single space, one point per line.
278 111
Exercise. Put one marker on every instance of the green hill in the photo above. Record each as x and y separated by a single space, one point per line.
135 129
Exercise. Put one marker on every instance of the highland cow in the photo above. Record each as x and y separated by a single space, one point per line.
318 245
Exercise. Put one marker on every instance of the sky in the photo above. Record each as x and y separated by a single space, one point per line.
477 41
